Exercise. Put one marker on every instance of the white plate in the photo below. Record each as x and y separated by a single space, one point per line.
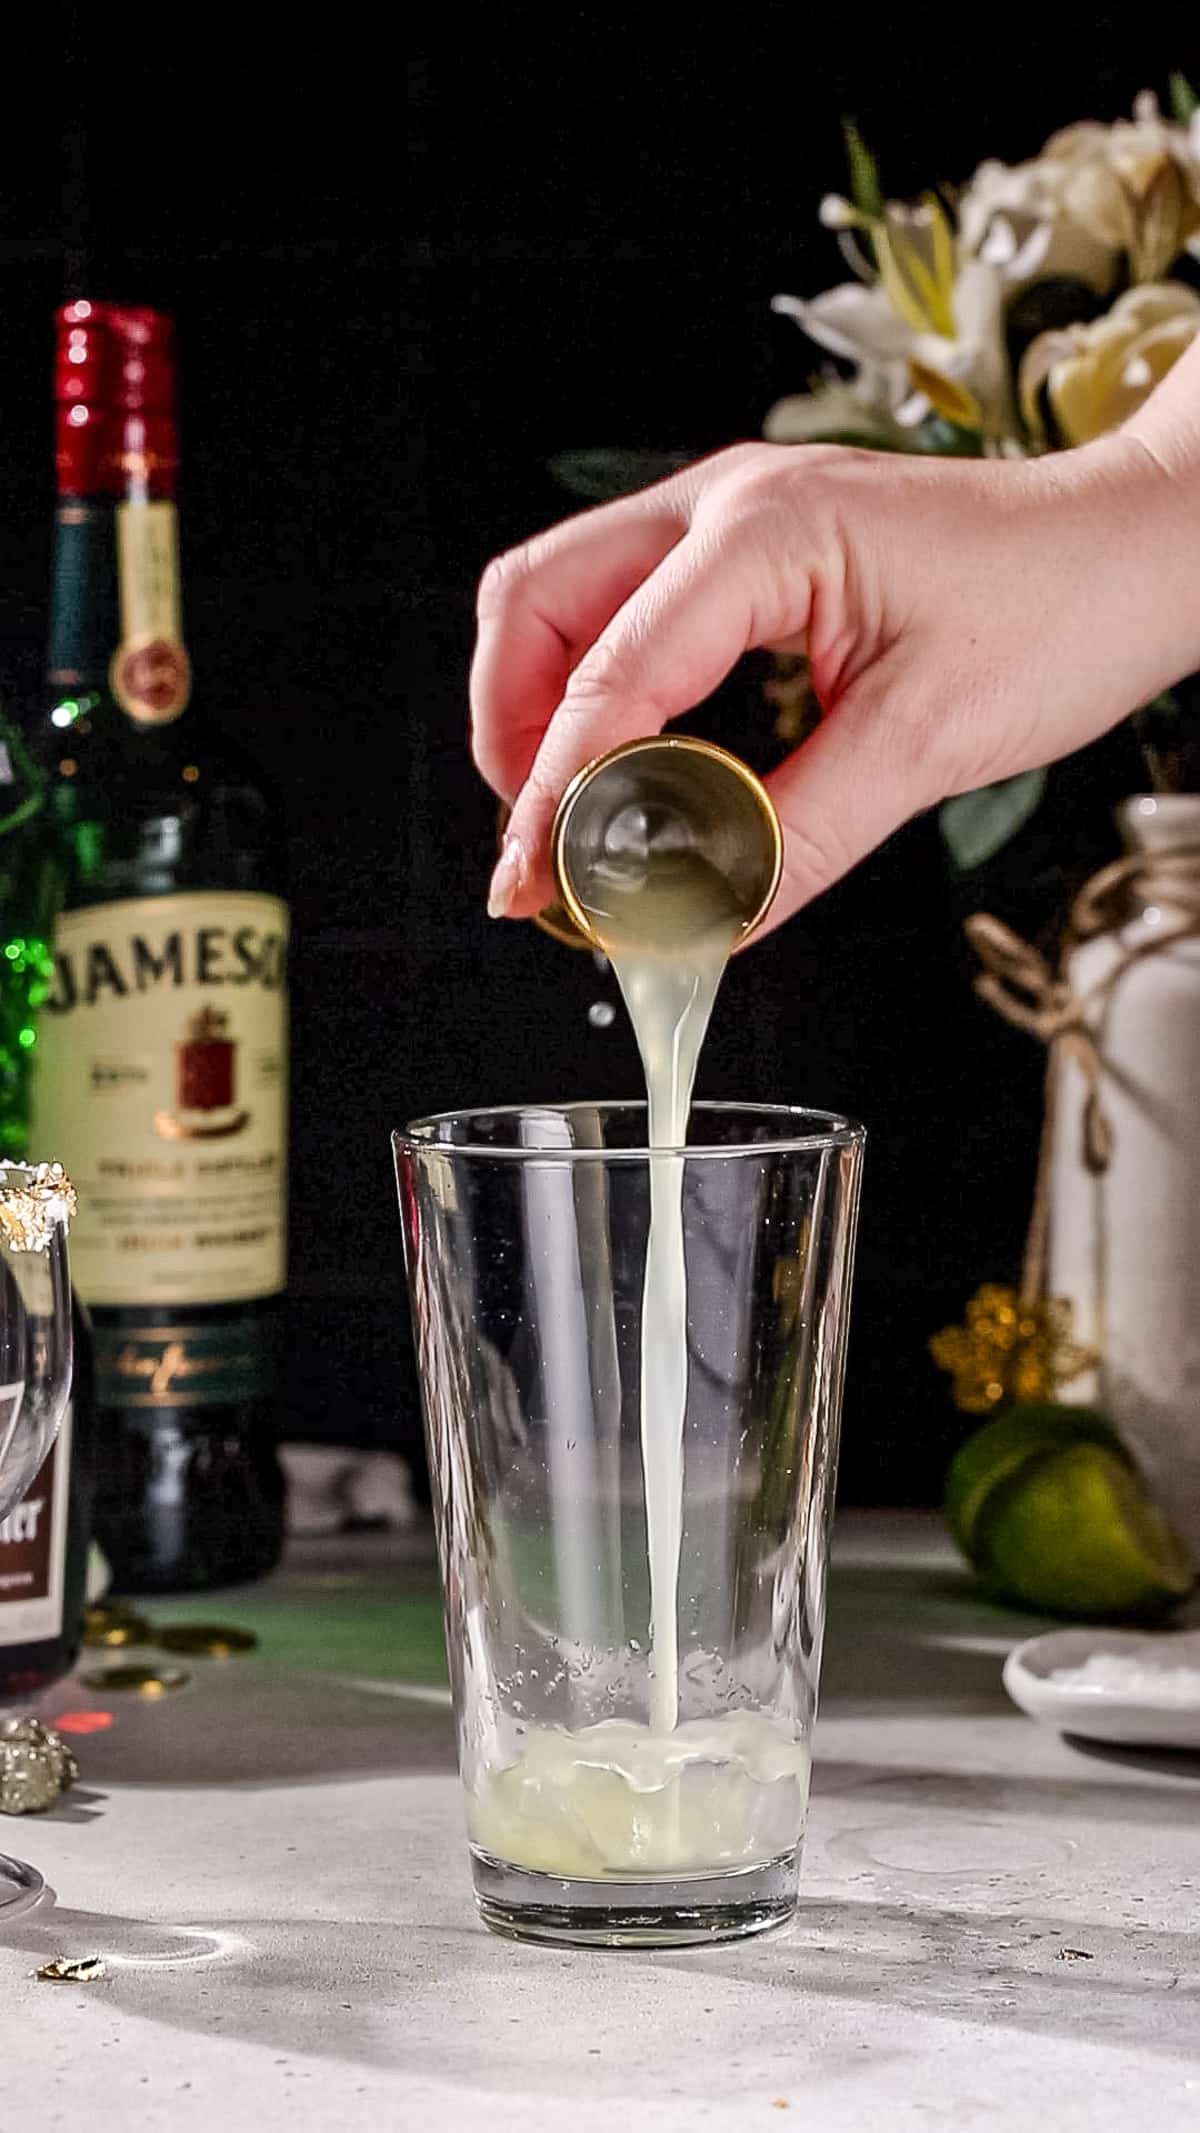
1102 1713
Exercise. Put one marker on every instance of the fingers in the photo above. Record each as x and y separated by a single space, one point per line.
539 609
667 648
861 775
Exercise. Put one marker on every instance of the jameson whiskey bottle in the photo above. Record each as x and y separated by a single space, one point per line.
161 1061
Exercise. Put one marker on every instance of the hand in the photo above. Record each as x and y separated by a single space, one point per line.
963 620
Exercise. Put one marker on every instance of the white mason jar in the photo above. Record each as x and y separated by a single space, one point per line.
1124 1245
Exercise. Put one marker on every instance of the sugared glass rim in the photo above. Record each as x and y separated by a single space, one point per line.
421 1134
37 1201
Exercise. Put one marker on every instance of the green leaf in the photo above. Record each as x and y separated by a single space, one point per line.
975 825
865 189
1166 706
1161 732
1183 98
598 474
947 440
861 440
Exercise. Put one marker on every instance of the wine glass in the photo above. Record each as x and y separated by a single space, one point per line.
36 1203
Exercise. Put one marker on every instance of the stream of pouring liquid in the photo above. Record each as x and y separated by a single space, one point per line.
669 968
618 1798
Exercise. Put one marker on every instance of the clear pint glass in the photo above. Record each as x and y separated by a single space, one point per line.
634 1611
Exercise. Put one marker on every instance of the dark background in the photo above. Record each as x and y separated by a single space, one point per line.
399 292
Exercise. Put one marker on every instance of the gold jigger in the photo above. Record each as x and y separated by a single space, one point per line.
553 919
685 798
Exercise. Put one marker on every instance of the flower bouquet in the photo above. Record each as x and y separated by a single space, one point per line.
1031 309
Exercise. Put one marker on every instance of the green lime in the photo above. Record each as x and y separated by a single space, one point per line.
1002 1447
1074 1531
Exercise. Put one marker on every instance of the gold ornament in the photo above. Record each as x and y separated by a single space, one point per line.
789 1277
787 1288
148 1681
1009 1349
35 1766
206 1640
107 1628
789 688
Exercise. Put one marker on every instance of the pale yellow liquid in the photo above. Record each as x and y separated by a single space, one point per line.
669 980
618 1798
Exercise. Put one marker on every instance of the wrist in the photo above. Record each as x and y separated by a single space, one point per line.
1130 525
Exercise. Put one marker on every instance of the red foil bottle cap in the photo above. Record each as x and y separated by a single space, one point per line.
114 389
82 354
83 390
145 450
144 379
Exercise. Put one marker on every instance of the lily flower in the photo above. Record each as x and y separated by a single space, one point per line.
832 408
1015 217
926 332
1098 199
1094 377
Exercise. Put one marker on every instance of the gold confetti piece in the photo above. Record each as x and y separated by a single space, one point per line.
148 1681
206 1640
108 1628
72 1970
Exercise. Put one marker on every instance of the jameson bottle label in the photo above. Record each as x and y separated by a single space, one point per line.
161 1086
33 1546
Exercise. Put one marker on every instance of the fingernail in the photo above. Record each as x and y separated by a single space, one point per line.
505 882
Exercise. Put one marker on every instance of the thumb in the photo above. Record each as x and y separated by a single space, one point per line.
670 645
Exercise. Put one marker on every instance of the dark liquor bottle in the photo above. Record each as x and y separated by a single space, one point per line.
161 1061
28 888
44 1541
44 1546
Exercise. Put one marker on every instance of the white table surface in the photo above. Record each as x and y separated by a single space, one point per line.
272 1865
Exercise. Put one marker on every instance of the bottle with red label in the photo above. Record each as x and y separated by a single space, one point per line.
44 1540
160 1075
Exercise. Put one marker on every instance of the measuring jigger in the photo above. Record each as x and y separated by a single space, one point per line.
665 840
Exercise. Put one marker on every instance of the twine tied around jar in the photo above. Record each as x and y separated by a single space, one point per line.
1020 984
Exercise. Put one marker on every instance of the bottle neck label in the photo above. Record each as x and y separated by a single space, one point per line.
150 673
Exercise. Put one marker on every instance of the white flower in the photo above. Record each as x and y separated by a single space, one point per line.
923 326
1096 376
830 409
856 322
1096 199
904 368
1014 218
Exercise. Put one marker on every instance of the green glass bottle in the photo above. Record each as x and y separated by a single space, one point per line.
161 1060
44 1541
27 900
